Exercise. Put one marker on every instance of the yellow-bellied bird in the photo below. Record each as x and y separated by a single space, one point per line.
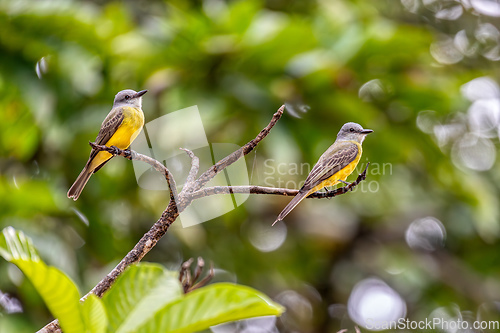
121 126
334 166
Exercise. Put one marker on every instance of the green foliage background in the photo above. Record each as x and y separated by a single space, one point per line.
62 62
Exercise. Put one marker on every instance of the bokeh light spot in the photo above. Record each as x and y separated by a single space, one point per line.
426 234
473 152
486 7
267 238
373 301
445 52
480 88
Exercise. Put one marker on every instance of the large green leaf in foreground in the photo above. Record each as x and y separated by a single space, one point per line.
209 306
145 298
57 290
94 315
149 298
138 294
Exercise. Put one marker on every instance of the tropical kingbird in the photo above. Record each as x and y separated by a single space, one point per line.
121 126
334 166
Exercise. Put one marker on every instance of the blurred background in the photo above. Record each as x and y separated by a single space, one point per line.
419 239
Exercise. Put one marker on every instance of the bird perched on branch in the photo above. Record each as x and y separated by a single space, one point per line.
120 128
334 166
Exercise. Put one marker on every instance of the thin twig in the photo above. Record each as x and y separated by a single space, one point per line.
133 155
233 157
193 172
185 275
189 282
199 268
205 280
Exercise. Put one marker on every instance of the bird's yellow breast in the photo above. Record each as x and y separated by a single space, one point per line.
133 120
129 129
341 174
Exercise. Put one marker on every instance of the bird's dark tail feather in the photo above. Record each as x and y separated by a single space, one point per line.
79 184
291 205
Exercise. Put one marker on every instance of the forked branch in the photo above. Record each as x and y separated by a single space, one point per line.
234 156
192 190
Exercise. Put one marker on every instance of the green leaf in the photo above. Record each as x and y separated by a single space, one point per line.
209 306
138 294
15 245
94 314
57 290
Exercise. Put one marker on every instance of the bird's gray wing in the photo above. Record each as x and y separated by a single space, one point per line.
109 126
330 163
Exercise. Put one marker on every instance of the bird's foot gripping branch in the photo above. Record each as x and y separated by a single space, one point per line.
193 189
343 189
113 150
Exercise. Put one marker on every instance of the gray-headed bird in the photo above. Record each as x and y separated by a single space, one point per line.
122 125
334 166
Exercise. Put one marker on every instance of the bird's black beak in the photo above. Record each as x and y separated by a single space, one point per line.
140 93
366 131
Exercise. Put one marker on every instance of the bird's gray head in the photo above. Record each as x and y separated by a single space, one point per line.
353 132
129 97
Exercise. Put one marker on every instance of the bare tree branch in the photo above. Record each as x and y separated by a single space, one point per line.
145 244
52 327
233 157
178 202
